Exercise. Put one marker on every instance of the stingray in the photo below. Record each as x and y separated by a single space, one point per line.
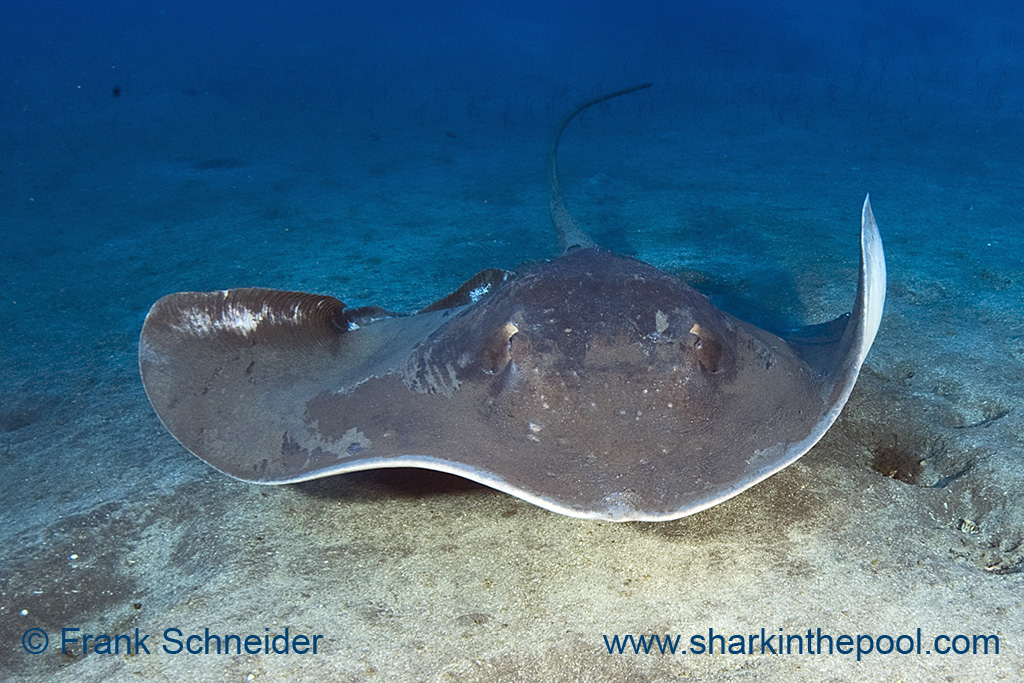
593 384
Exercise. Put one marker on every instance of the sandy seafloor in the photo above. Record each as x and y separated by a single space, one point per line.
109 525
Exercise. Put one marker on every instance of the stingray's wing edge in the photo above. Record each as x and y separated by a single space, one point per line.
861 329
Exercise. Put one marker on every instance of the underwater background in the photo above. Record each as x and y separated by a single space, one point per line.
385 152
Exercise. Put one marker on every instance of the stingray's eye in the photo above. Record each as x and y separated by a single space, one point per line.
498 350
707 350
518 347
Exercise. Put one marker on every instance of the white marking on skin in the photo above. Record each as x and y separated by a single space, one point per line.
534 427
235 318
660 322
453 378
475 294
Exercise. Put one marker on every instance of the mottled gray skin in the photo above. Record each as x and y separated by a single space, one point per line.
594 385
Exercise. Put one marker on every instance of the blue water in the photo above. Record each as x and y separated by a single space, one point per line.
385 152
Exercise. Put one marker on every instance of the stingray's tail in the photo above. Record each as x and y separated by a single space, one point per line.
569 233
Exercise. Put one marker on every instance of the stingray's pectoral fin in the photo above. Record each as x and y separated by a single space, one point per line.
472 290
837 349
230 373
